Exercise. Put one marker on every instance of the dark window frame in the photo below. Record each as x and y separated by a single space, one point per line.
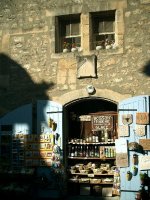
103 37
61 37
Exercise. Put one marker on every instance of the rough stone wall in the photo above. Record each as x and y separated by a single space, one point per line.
30 69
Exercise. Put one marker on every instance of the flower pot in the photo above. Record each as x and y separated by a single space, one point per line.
108 47
99 47
65 50
74 49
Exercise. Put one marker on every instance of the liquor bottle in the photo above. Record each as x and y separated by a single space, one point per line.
87 151
81 151
76 151
96 151
84 151
106 135
72 151
69 150
92 152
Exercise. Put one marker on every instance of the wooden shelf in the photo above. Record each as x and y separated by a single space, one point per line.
91 158
92 143
102 183
86 174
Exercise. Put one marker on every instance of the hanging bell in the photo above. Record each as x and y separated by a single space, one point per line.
128 176
134 170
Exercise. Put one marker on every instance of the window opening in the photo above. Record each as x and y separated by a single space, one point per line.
69 33
103 29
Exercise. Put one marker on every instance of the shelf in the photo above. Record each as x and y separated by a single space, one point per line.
88 183
91 158
91 143
86 174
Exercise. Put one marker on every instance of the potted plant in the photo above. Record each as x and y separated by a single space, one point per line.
108 44
74 47
100 45
66 47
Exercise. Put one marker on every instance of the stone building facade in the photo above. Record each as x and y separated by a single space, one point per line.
31 69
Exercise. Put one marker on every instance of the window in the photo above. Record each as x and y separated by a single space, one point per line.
67 32
103 29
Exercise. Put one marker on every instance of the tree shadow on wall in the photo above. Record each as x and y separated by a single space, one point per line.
146 69
18 89
16 85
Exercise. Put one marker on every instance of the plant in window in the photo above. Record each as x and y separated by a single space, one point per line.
108 44
74 47
100 44
66 47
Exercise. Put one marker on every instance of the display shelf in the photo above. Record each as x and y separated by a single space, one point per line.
103 183
86 174
94 153
90 158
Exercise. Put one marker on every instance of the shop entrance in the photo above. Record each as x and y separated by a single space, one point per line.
82 156
73 110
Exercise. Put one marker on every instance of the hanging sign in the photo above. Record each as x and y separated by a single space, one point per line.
123 130
140 130
127 119
85 118
142 118
144 162
121 152
102 121
145 143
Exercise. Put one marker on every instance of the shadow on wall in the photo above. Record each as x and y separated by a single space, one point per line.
17 87
146 69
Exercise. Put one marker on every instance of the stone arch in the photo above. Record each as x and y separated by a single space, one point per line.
100 93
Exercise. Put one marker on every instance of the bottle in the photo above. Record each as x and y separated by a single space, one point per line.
96 151
69 150
76 151
92 153
81 151
84 151
106 135
72 151
87 151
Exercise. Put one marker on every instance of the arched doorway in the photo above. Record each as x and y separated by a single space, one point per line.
72 112
84 106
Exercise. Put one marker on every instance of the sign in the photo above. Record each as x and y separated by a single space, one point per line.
144 162
140 130
145 143
122 160
127 119
102 121
142 118
85 118
123 130
121 152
